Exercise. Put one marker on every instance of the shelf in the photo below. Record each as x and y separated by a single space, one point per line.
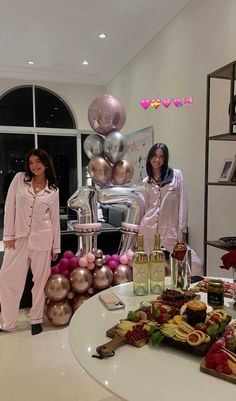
223 137
222 183
224 72
218 244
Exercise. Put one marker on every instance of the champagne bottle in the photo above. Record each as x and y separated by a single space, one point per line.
140 269
157 267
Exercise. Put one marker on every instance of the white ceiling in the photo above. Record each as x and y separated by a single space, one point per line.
59 34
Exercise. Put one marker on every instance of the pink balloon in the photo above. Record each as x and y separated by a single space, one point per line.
55 270
106 114
122 274
91 266
90 257
112 264
100 170
122 172
123 259
65 273
108 257
74 262
63 264
130 254
102 278
83 262
68 254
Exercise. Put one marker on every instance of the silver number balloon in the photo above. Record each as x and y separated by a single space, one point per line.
115 146
93 145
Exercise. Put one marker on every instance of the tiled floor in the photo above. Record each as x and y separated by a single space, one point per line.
43 368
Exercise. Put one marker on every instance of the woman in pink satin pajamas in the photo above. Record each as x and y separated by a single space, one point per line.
166 204
31 237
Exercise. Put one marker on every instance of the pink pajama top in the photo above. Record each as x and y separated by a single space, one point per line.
166 210
31 215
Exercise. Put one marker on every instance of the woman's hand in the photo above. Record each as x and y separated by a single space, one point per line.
54 256
9 244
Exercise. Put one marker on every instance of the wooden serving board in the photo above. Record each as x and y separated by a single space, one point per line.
212 372
199 350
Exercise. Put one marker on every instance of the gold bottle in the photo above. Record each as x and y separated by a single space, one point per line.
140 268
157 267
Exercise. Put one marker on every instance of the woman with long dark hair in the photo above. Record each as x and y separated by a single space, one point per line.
31 237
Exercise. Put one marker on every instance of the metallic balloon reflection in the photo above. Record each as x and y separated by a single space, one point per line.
93 145
115 146
81 280
57 287
122 274
79 300
102 278
100 170
84 202
106 114
59 313
122 172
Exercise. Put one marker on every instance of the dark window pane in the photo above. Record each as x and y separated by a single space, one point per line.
86 180
62 149
13 150
16 107
51 111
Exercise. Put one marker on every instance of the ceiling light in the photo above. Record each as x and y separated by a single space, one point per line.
102 36
31 62
85 62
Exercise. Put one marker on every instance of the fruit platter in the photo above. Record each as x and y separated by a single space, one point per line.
220 360
177 318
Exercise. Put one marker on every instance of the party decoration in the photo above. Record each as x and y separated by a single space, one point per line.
156 103
106 114
122 274
80 279
122 172
68 254
57 287
59 313
115 146
100 170
93 145
102 277
79 300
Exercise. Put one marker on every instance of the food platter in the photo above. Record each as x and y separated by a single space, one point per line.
202 286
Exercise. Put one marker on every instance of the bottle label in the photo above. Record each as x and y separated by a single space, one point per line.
140 273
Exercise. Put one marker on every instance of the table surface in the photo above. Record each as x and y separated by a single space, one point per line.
147 373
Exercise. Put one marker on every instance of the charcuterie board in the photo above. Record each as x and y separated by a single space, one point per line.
202 287
212 372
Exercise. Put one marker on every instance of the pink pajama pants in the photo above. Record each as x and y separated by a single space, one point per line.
12 281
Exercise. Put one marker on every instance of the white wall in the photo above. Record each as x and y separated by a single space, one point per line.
175 64
78 97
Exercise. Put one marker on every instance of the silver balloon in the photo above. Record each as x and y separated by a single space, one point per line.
122 172
100 170
106 114
84 202
93 145
115 146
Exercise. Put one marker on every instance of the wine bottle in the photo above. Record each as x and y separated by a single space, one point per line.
157 267
140 269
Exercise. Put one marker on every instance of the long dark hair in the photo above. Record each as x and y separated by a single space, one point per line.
166 171
49 170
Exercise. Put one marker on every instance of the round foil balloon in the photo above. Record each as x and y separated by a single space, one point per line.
59 313
102 278
115 146
78 300
93 145
122 274
106 114
100 170
80 279
122 172
57 287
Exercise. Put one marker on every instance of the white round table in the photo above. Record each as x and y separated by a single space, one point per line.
137 374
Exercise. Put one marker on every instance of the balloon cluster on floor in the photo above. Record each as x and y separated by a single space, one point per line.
74 279
77 277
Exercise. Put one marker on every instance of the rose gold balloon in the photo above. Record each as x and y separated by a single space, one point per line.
59 313
102 278
78 300
97 252
122 172
122 274
70 295
106 114
80 280
100 170
57 287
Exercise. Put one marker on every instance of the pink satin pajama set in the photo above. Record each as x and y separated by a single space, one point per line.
32 220
166 212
